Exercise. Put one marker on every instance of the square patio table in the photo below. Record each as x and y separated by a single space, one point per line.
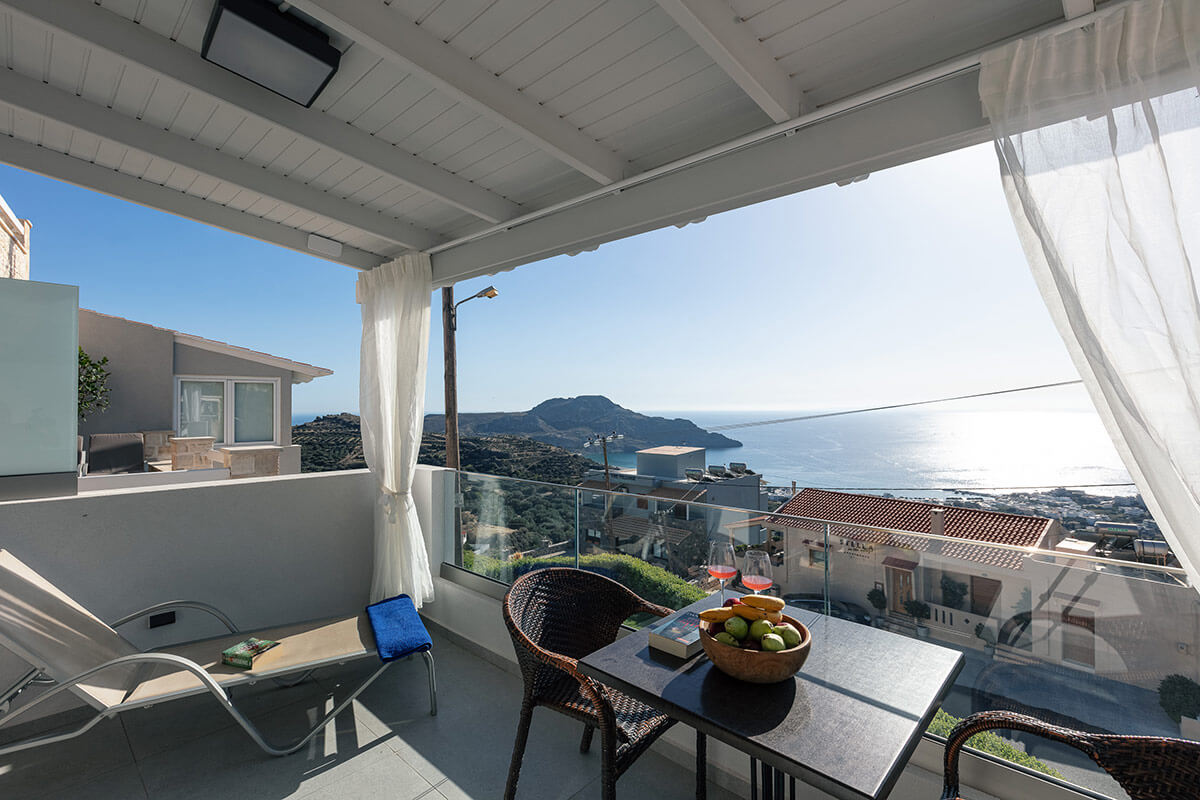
846 724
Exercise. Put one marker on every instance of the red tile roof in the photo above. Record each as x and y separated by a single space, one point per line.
909 515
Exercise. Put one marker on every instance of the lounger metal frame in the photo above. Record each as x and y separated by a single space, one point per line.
34 676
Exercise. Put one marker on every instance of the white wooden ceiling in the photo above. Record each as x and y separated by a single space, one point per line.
446 117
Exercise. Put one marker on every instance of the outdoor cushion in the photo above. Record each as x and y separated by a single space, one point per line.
398 630
116 452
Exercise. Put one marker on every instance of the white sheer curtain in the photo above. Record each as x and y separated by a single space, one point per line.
395 344
1098 134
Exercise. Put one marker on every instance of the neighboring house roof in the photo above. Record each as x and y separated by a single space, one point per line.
301 372
969 524
670 450
630 527
663 492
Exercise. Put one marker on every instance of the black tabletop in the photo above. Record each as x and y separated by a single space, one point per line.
846 724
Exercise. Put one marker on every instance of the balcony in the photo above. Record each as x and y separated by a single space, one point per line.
247 546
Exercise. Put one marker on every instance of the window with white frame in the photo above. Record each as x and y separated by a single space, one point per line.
231 410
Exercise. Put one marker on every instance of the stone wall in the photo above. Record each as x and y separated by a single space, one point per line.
248 462
14 244
191 452
158 445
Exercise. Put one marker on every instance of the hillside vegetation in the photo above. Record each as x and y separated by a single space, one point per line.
334 442
568 421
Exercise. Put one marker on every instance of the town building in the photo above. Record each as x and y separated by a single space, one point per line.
1016 587
177 403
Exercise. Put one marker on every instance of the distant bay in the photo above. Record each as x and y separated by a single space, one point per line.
917 452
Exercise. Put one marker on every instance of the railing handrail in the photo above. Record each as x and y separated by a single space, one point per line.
1175 572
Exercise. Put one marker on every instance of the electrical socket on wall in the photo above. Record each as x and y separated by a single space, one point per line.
158 620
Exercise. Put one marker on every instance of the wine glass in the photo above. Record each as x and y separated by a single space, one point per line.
756 572
721 564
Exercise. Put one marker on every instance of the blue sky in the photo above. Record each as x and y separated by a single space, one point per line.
905 286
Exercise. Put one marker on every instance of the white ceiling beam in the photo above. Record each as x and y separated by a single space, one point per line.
53 164
935 118
102 29
43 100
388 34
715 26
1077 8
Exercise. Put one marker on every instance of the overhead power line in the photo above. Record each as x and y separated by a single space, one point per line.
737 425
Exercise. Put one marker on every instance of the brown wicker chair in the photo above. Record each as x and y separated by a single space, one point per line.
556 616
1146 767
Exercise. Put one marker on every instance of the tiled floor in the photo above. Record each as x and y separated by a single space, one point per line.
385 746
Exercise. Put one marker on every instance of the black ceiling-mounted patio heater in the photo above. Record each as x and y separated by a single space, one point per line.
276 50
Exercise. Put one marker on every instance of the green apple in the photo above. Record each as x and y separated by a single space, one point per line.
760 628
773 642
791 636
724 637
737 627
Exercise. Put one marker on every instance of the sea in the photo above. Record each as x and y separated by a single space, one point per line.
917 452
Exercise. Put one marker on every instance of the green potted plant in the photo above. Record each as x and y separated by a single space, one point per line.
878 599
919 612
1179 696
989 639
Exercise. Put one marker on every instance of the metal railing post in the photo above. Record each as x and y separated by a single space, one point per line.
577 501
827 552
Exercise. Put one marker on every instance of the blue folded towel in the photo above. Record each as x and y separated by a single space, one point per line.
398 630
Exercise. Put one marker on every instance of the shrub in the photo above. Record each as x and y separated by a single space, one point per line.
648 581
917 610
953 592
989 742
93 385
877 598
1179 696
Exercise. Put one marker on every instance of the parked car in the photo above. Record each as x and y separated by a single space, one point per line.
837 608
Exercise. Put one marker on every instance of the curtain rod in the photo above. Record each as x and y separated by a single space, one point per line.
939 72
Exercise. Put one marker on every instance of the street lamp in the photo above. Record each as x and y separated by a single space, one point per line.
449 326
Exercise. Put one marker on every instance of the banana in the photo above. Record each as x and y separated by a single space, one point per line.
774 617
716 614
749 612
763 601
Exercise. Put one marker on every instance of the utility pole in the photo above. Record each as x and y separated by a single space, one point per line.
592 441
450 353
451 377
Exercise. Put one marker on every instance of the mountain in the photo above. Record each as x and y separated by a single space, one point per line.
334 442
568 421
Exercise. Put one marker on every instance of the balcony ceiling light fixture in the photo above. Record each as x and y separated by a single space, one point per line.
276 50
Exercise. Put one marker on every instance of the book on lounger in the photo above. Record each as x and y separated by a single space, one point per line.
243 654
678 634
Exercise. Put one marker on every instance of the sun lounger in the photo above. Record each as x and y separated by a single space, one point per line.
65 644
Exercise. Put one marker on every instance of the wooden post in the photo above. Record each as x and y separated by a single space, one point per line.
451 377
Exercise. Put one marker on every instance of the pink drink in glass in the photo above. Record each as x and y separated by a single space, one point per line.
756 583
723 573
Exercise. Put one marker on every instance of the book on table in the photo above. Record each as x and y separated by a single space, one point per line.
678 634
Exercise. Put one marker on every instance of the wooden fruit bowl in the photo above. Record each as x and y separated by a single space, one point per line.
758 666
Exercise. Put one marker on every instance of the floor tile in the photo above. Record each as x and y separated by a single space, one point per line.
123 783
55 769
161 727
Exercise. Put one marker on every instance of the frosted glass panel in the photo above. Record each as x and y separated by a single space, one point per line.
254 412
202 409
39 375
